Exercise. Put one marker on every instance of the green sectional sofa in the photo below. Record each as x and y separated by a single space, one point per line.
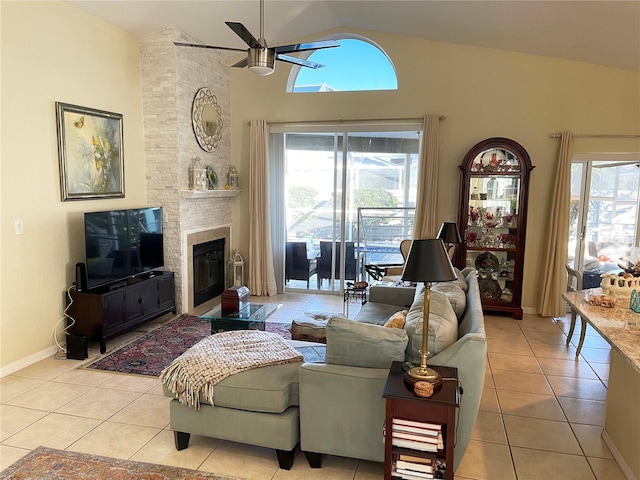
333 407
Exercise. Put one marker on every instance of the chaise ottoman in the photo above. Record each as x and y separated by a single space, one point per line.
256 407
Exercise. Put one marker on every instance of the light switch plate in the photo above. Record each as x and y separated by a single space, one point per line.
19 227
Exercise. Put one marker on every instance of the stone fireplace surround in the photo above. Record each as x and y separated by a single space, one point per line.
196 237
171 77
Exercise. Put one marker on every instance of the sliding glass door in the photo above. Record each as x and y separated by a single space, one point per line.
328 176
604 216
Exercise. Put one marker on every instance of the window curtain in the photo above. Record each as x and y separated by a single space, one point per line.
277 208
261 275
554 280
427 194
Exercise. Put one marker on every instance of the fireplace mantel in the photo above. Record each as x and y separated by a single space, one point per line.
208 193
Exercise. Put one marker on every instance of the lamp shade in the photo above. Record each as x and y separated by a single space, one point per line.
449 233
428 262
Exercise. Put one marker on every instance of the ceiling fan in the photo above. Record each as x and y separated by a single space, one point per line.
261 58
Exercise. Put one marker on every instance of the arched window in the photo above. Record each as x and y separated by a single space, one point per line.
358 64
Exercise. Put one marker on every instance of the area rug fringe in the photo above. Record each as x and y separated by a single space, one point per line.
197 371
45 463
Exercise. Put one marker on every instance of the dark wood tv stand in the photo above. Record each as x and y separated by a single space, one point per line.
103 313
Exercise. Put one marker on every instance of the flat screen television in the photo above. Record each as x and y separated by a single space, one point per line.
121 244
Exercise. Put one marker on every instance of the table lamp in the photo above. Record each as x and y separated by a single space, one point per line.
428 262
450 235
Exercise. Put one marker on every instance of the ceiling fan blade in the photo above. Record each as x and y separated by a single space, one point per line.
244 34
197 45
242 63
298 61
301 47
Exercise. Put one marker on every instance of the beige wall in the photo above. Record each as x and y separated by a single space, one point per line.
483 93
52 52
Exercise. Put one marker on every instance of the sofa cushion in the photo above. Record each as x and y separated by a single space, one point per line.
461 281
443 326
455 294
270 389
376 313
397 320
360 344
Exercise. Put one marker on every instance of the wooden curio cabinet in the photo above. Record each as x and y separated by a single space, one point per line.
494 188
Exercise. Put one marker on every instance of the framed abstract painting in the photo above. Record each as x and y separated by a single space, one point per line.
90 151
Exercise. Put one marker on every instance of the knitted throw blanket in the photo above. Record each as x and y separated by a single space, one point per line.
213 359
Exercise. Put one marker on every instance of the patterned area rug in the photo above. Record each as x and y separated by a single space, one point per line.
50 464
150 353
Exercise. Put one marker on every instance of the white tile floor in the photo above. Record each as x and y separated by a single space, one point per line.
541 414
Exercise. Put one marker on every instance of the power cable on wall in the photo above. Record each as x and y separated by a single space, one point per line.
62 351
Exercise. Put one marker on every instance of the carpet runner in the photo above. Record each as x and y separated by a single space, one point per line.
150 353
51 464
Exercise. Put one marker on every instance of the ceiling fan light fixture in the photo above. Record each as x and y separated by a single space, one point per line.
262 61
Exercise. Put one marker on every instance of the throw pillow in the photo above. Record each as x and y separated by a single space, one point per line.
461 280
455 294
443 326
360 344
397 320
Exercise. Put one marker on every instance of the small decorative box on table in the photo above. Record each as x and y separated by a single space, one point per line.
420 432
234 300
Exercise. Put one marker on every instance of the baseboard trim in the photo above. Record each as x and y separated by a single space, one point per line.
626 471
28 361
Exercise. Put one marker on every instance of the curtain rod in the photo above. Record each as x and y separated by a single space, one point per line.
362 120
558 135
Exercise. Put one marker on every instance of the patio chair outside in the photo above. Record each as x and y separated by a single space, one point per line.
299 265
324 262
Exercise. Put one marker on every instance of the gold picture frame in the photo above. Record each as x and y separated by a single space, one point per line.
90 151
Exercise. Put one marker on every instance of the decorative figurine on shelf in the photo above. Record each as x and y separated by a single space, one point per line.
198 178
474 214
506 239
232 179
494 160
490 221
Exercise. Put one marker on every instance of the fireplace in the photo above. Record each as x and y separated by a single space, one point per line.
192 240
208 270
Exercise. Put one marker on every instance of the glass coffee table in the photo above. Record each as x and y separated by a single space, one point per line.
251 317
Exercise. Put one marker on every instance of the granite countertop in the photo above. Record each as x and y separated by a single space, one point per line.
619 325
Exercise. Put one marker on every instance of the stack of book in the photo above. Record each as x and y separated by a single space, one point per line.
409 467
426 437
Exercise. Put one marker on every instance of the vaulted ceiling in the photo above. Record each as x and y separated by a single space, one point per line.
600 32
